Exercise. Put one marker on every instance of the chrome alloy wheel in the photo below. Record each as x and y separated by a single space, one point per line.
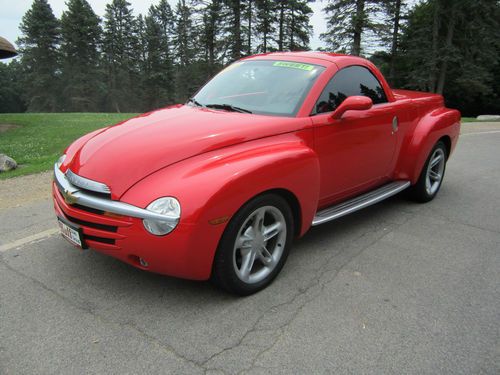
259 244
435 171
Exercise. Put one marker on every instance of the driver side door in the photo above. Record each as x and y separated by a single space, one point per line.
356 151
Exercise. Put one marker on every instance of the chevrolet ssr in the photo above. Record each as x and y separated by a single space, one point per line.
219 187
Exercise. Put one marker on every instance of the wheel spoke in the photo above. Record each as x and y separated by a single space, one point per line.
245 240
247 265
265 257
428 184
436 160
434 175
271 231
258 221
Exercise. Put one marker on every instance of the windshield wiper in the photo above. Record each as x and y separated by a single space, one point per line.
228 107
195 102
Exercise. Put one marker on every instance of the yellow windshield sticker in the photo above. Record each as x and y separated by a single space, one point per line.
287 64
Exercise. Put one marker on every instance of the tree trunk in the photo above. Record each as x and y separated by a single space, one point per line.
292 30
394 47
448 44
249 27
359 22
435 37
237 29
281 26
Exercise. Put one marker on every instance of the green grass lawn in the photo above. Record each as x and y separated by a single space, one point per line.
39 138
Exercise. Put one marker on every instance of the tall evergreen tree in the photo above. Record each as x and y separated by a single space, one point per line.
235 42
184 39
294 28
457 55
265 25
39 55
211 35
394 12
159 70
121 56
348 21
11 98
81 34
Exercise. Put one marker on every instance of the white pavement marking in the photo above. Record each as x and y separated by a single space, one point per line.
29 239
475 133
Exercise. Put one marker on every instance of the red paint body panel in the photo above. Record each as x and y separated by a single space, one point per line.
215 161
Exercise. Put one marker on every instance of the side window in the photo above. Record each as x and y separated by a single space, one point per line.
350 81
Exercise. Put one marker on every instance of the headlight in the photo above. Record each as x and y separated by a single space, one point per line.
164 206
60 161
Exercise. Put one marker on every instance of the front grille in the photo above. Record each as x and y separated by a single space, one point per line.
108 228
110 241
88 209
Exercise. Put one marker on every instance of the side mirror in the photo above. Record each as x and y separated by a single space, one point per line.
352 103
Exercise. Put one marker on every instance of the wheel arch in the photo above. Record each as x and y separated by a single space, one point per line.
294 204
442 124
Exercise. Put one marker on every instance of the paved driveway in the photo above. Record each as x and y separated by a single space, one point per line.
396 288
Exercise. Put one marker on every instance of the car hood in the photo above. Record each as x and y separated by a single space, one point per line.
122 155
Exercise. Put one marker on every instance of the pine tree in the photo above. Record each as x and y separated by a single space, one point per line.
235 42
452 47
299 29
186 79
81 34
265 25
158 69
11 98
394 13
211 35
121 56
38 47
348 21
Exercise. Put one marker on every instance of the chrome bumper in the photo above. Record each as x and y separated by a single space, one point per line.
73 195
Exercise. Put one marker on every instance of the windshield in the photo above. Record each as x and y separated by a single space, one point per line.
262 87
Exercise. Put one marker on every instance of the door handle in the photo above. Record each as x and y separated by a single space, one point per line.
395 125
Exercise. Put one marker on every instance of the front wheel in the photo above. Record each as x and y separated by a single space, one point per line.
432 175
254 246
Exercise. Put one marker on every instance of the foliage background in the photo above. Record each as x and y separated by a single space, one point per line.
128 63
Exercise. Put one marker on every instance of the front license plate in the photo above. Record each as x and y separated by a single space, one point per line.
71 233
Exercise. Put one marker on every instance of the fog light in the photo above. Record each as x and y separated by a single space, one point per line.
143 262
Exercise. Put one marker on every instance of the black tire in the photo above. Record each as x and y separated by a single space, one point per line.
420 192
225 266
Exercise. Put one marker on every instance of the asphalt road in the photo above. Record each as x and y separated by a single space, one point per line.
399 288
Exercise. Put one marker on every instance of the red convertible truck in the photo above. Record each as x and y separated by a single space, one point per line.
274 144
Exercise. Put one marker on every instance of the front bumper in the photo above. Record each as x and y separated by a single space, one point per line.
187 252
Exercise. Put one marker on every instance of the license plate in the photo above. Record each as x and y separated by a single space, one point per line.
71 233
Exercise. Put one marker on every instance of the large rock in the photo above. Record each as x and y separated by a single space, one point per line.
489 118
6 163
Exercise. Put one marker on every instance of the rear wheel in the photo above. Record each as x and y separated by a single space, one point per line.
254 246
432 175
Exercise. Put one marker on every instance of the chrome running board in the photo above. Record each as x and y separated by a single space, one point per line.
359 202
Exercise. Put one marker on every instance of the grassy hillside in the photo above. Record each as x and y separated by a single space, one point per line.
36 140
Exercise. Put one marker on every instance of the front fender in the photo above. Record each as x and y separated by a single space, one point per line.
213 186
439 123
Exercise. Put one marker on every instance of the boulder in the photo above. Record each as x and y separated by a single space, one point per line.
488 118
6 163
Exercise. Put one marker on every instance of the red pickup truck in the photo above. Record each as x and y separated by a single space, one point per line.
274 144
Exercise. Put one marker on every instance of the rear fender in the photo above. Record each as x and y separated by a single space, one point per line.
439 123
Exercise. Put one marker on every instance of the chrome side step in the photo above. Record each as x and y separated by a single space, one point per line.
359 202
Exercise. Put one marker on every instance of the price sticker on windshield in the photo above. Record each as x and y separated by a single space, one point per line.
287 64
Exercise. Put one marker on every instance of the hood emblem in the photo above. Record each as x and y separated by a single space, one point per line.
85 183
68 197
